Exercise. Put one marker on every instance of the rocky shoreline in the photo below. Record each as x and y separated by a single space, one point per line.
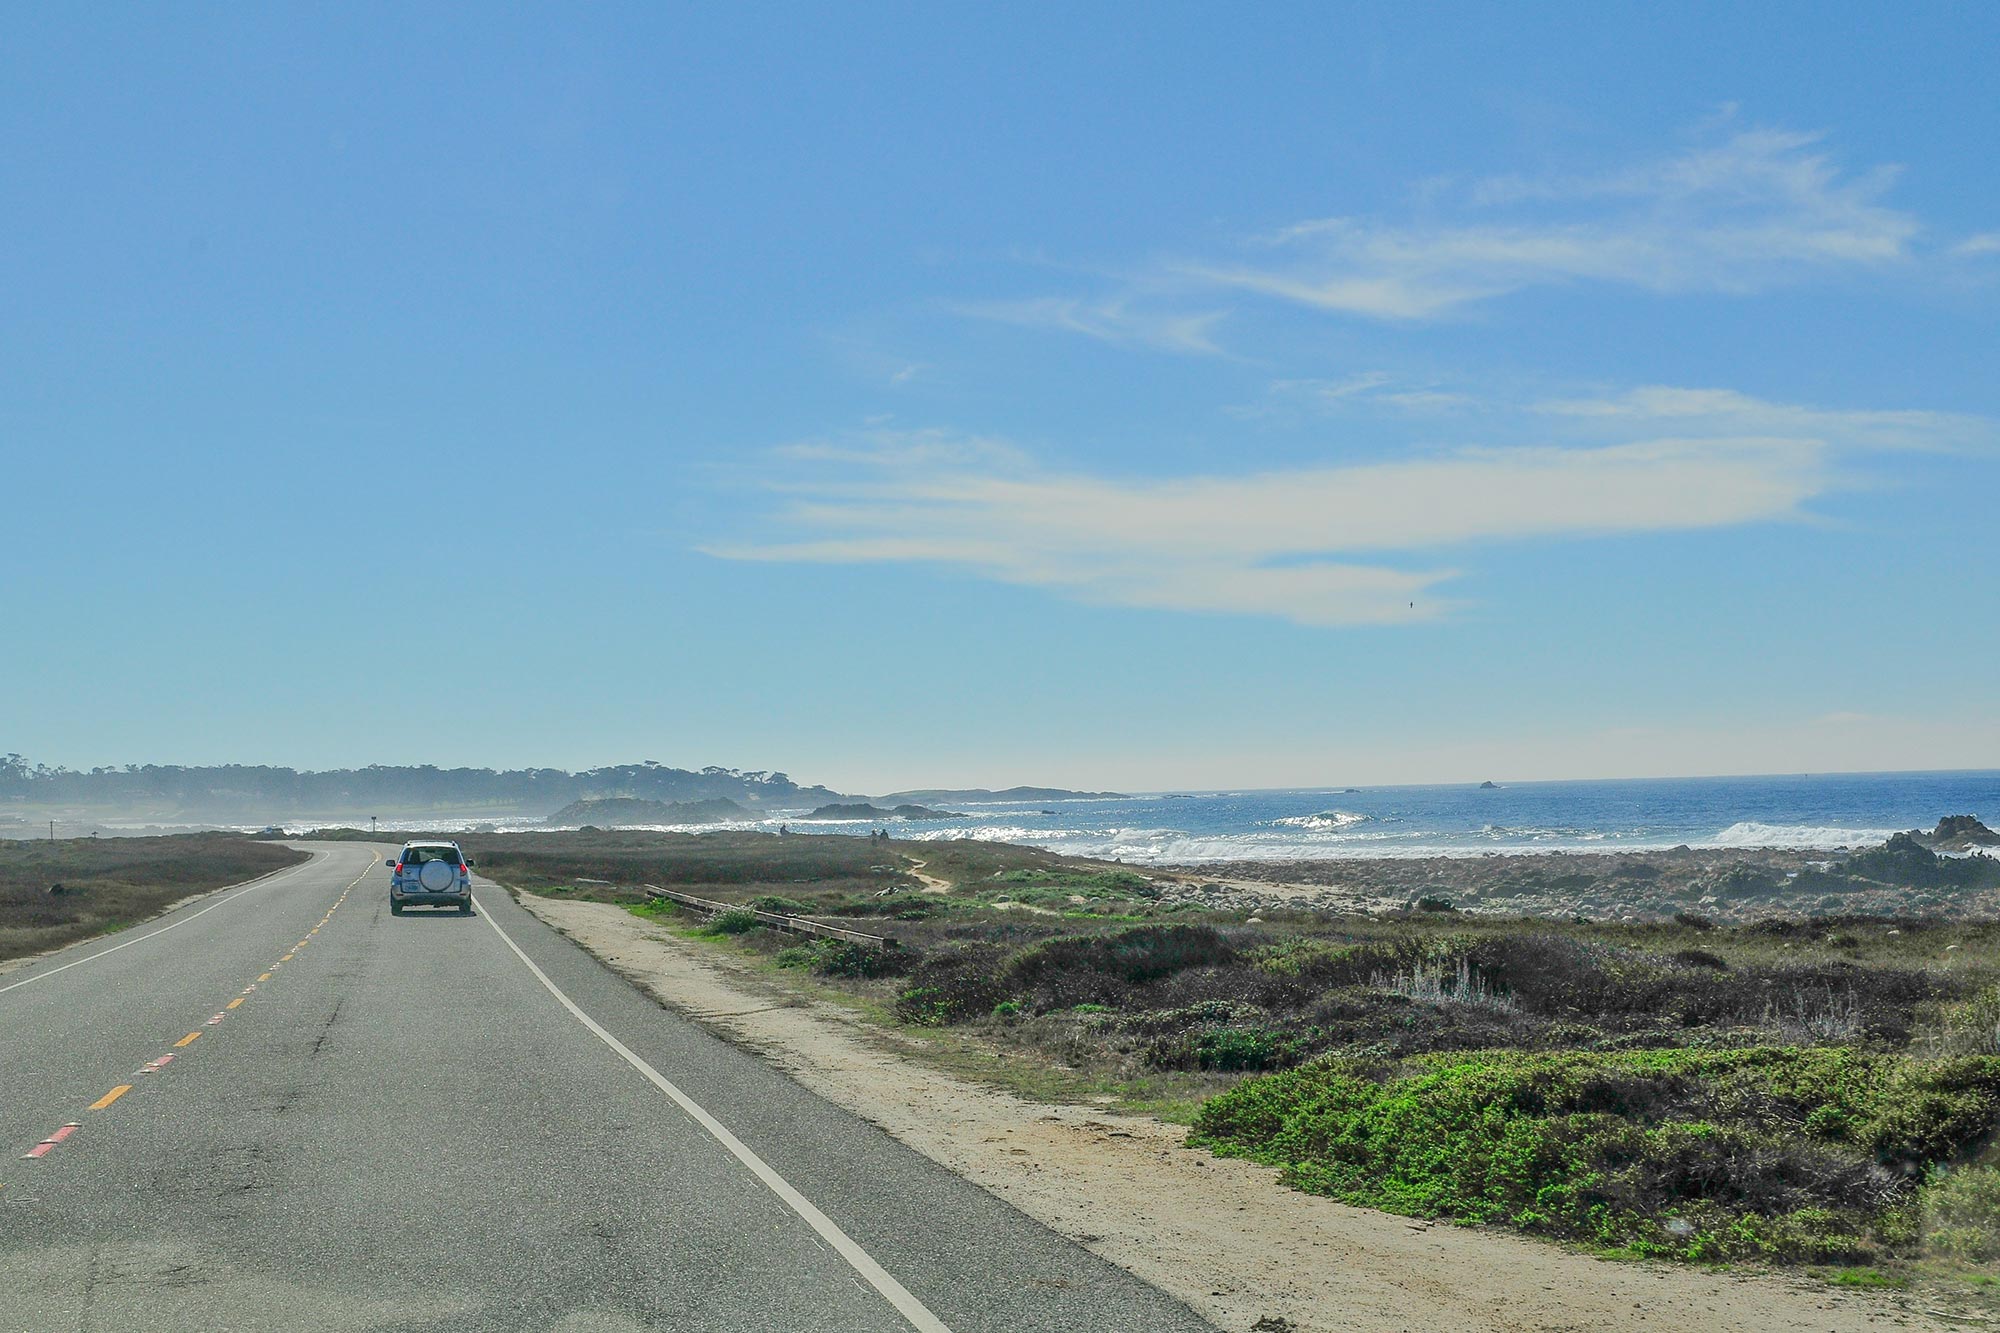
1952 872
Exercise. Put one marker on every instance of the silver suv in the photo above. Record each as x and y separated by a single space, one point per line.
430 874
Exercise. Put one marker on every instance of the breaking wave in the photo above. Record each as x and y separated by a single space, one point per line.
1326 821
1752 834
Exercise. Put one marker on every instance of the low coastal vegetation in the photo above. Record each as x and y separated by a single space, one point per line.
54 893
1818 1154
1787 1088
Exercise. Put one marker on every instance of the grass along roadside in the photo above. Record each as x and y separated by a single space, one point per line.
1174 1097
1067 982
1877 1163
109 884
1218 1233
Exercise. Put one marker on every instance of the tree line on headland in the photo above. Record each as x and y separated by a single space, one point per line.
261 791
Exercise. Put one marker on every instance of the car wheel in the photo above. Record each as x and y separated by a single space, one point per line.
395 909
465 909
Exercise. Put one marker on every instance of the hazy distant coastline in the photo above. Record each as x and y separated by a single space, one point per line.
169 796
1822 814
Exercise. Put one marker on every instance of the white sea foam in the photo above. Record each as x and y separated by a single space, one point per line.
1261 828
1180 846
1325 821
1533 834
1752 834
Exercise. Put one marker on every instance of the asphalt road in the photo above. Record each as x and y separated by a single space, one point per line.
441 1122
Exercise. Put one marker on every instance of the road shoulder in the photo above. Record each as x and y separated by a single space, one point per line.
136 929
1220 1235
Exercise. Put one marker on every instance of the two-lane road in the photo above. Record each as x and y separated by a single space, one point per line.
348 1120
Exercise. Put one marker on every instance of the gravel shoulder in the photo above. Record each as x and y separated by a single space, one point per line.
1223 1236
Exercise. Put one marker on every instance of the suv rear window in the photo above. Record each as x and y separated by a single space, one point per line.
416 856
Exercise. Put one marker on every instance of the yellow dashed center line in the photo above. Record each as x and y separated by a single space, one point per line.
108 1098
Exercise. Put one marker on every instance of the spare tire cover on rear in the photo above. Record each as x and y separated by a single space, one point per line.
437 876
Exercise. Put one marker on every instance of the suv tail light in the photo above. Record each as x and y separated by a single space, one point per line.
399 867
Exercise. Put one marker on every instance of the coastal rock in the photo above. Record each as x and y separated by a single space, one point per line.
1009 794
1741 881
1901 860
1961 833
877 812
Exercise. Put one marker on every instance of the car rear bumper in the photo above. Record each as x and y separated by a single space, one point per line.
449 898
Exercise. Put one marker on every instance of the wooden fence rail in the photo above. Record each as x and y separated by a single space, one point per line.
797 925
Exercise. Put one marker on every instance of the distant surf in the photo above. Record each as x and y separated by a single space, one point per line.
1327 820
1819 813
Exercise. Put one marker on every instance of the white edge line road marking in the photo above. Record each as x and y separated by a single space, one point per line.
859 1259
261 882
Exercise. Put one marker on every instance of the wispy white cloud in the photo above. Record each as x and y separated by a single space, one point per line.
1115 320
880 447
1366 390
1645 411
1336 545
1335 390
1985 243
1331 545
1758 209
1726 412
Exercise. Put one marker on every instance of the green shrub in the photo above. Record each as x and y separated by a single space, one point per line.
846 958
1007 1009
1085 884
1326 964
1972 1027
1962 1214
900 906
1762 1152
1564 976
1241 1048
735 921
1100 969
952 985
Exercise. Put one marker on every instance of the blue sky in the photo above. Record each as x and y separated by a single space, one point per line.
1139 397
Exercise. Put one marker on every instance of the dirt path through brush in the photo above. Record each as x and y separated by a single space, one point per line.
931 883
1220 1235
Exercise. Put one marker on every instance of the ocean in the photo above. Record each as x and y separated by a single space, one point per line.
1828 811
